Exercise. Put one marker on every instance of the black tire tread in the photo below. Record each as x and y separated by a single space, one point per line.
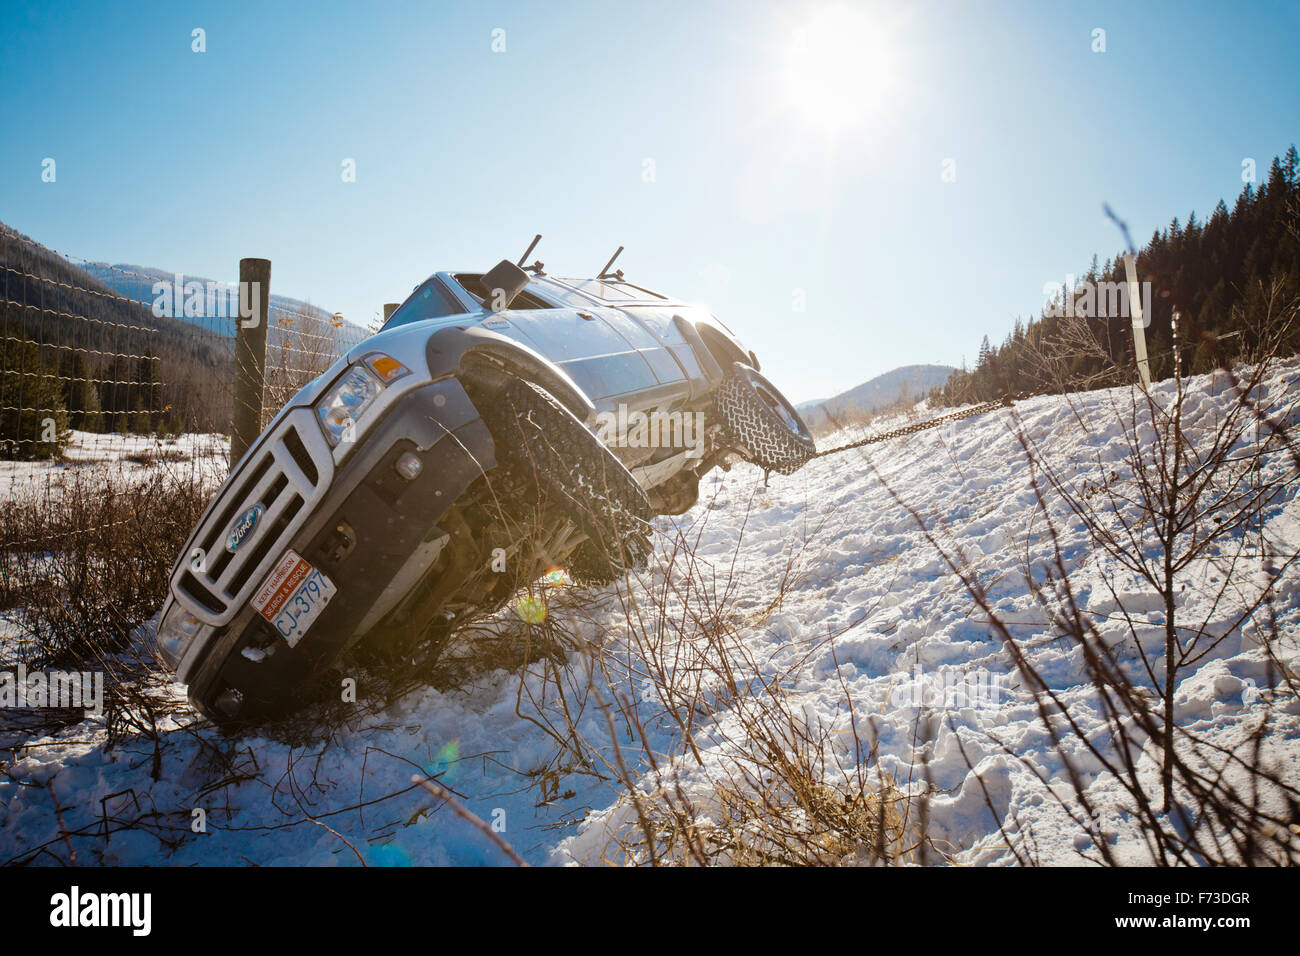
758 431
577 473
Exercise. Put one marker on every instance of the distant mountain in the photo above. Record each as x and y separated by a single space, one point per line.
913 381
136 282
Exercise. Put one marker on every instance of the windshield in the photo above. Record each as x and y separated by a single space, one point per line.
430 301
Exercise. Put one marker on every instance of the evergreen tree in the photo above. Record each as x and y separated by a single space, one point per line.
115 393
82 397
140 423
148 386
33 418
1291 167
1214 272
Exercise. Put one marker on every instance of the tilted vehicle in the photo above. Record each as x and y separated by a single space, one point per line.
499 425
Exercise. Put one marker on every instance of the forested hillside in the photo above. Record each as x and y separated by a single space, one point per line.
1222 276
79 352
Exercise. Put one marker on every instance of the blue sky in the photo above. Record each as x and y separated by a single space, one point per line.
779 162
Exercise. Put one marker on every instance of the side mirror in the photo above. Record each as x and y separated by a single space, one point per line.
501 284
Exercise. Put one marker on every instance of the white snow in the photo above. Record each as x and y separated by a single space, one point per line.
855 565
123 456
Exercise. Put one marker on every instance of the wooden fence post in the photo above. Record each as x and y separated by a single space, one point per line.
250 355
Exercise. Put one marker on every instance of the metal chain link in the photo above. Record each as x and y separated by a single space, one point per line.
922 426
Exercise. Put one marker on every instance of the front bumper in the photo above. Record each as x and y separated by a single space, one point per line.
361 524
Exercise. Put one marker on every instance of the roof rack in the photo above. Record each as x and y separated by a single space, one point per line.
605 273
537 265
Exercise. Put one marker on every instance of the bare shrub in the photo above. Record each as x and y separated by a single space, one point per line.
85 558
750 778
780 795
1075 358
1180 516
301 346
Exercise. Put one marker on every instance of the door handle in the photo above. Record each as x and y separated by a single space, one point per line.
588 316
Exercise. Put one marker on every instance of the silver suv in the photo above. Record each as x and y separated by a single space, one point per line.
499 425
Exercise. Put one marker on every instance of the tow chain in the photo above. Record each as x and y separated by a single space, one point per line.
912 429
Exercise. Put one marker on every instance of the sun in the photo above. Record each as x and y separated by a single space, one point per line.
838 73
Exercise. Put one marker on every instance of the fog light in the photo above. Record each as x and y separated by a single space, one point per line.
408 466
230 702
176 633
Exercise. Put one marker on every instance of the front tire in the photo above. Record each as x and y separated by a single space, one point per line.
541 441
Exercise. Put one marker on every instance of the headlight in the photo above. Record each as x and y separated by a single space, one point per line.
176 633
342 406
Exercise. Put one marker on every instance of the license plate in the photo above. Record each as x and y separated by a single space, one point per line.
292 596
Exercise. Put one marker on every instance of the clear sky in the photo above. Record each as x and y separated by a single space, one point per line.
783 163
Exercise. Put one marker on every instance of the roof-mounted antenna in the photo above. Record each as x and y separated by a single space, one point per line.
536 266
605 273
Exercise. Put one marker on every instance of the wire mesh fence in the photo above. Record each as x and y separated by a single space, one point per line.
116 394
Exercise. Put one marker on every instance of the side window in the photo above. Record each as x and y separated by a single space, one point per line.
473 284
429 301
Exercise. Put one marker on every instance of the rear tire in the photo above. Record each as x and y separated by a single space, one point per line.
677 495
760 423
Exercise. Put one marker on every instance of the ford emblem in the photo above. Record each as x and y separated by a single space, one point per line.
243 527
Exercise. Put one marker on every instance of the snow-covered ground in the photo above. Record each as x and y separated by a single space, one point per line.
855 565
124 456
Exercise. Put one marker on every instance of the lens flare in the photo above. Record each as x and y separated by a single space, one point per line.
531 610
444 761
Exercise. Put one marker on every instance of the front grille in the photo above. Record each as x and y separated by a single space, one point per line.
287 474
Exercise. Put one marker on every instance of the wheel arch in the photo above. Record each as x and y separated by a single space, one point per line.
724 348
454 350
